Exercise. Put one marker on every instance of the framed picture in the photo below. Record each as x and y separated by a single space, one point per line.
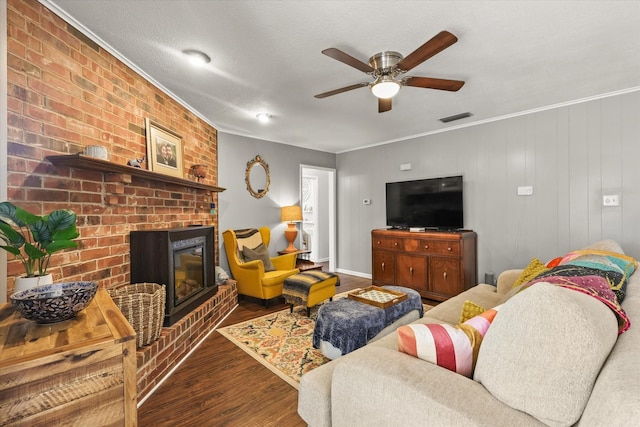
164 150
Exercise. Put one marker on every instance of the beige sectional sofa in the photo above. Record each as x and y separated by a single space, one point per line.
552 356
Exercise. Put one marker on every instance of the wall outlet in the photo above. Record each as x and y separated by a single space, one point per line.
405 167
610 200
366 201
525 191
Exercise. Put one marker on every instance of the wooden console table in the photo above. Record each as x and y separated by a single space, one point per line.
437 264
77 372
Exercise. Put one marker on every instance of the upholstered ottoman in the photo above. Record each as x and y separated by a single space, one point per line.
345 325
309 288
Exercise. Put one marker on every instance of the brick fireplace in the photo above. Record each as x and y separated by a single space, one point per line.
65 92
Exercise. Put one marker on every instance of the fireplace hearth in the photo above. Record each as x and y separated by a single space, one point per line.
182 259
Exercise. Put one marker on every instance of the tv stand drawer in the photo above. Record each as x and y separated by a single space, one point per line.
387 243
432 246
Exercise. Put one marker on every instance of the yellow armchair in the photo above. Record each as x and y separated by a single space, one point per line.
251 277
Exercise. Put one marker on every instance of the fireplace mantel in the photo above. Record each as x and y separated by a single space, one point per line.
92 163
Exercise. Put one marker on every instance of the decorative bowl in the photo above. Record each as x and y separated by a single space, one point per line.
54 303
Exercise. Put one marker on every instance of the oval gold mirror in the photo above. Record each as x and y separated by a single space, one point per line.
257 177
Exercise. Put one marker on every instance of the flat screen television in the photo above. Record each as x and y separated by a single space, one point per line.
434 203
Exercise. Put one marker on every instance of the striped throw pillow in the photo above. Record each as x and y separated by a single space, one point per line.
451 347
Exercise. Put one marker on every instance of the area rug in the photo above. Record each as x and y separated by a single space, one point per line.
281 341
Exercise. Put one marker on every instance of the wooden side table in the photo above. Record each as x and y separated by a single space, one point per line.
302 263
74 372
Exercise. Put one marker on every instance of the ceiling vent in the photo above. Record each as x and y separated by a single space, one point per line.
456 117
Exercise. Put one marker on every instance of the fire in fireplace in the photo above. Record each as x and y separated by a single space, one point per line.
182 259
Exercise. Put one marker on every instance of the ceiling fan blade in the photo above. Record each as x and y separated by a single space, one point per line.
437 44
345 58
431 83
384 104
342 89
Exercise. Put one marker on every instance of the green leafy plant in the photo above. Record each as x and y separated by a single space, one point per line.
32 238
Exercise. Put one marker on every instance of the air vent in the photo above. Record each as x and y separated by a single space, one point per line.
456 117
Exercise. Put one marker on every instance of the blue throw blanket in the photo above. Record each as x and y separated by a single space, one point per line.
348 324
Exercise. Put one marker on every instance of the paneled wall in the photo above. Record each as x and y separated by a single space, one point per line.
571 155
64 93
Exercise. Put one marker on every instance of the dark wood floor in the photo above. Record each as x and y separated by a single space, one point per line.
220 385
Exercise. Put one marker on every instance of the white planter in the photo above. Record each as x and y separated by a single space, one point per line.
24 283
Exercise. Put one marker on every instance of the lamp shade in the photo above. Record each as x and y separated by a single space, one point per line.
291 214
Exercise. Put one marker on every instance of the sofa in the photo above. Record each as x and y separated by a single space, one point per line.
551 356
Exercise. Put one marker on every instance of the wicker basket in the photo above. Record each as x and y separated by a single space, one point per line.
143 306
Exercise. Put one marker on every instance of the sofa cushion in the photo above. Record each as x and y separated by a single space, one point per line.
544 350
259 253
451 347
449 311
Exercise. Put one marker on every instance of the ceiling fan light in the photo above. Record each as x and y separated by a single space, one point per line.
385 88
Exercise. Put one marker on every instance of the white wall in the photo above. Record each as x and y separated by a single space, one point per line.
237 208
571 155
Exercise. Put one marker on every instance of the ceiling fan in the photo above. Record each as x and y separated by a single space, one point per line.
387 67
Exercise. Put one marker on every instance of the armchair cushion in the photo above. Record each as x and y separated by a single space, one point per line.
259 253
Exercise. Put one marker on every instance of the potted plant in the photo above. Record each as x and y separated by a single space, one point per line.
32 239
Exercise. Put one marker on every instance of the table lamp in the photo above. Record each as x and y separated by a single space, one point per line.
291 215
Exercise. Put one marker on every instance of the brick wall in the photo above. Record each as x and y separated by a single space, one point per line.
64 93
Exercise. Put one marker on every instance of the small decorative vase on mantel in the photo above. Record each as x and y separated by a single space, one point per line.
199 172
24 283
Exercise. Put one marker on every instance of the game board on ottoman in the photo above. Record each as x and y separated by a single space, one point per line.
345 325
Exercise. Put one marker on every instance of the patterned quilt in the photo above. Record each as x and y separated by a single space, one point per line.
600 274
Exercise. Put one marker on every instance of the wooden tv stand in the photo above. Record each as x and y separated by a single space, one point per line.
437 264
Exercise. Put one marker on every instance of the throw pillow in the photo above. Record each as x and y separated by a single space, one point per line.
554 262
534 268
544 351
247 238
451 347
259 253
470 309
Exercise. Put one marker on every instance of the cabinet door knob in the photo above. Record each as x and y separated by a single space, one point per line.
395 243
426 246
411 270
383 266
449 248
378 242
444 275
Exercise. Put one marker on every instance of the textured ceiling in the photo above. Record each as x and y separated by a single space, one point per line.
515 56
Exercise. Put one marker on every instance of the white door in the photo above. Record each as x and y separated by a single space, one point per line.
310 216
317 188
